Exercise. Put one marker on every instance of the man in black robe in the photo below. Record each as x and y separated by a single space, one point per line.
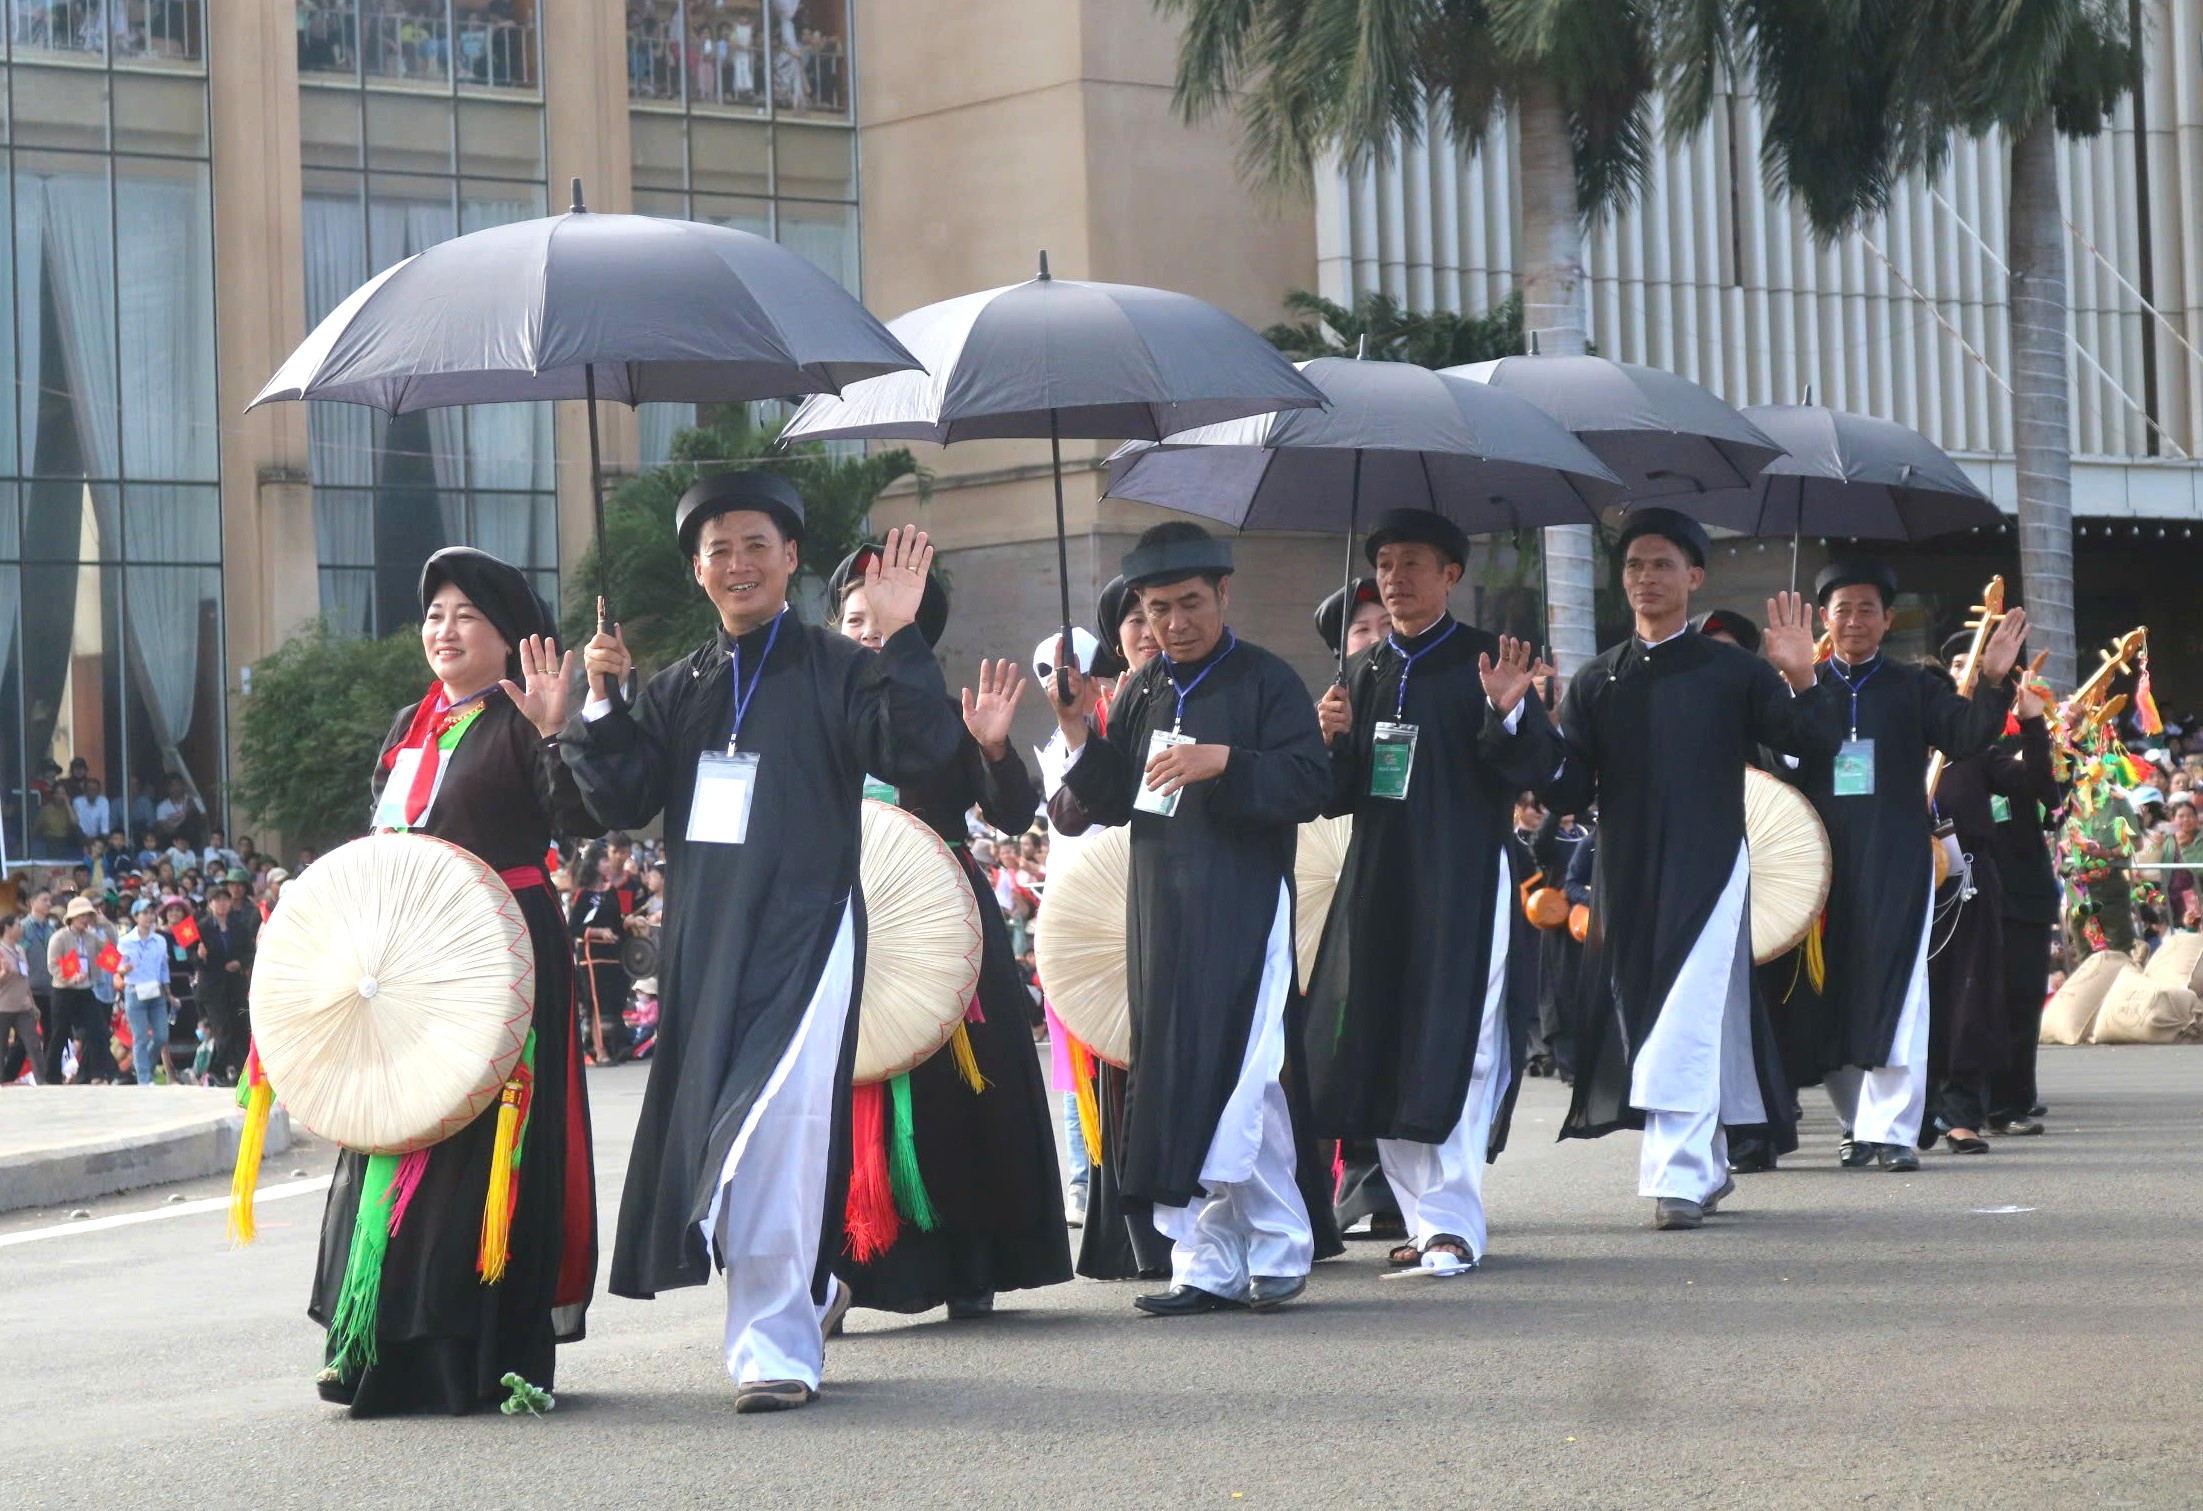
1213 757
1657 730
2032 905
1870 793
756 748
1413 1037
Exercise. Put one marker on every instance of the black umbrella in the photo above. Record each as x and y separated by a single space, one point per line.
1064 359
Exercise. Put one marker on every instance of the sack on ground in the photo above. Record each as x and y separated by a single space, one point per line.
2138 1010
2072 1011
2178 962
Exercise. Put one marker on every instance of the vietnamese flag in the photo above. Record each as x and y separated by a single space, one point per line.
186 932
110 959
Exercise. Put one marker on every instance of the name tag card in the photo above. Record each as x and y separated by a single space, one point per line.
1391 760
2000 808
1855 769
725 787
879 791
1146 799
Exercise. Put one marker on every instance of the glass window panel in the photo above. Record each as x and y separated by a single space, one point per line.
158 33
26 403
656 424
328 38
494 46
509 445
497 140
405 216
172 714
809 45
826 234
670 204
14 779
658 145
71 29
329 127
408 133
654 50
815 162
484 202
59 107
505 526
11 532
348 600
157 114
164 247
752 215
65 306
722 58
730 157
405 39
172 523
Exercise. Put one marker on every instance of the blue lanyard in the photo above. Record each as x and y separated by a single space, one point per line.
1399 707
741 696
1844 677
1170 671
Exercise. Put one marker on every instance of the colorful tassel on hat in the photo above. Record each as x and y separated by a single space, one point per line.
911 1198
868 1217
534 1400
967 1062
1083 1074
257 1097
514 1104
352 1324
1816 962
2145 701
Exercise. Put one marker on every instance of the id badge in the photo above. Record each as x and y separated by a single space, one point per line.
1855 768
1391 760
2000 807
879 791
725 787
1147 799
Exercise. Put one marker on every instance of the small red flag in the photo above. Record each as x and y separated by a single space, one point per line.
186 932
110 959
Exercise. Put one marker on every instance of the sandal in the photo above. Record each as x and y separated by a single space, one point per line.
1404 1256
1452 1246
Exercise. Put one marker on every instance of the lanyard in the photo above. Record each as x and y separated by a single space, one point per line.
740 697
1844 677
1399 707
1170 671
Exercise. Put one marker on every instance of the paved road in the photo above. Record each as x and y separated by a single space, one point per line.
1844 1339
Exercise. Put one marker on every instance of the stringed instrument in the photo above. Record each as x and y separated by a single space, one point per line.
2116 660
1966 673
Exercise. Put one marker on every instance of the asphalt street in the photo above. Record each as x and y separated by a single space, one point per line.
2019 1329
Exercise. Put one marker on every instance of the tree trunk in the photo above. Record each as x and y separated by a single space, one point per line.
2042 433
1553 318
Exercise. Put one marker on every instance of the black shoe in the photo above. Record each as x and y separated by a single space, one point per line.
2014 1127
1751 1155
1897 1158
1184 1301
2038 1111
1856 1154
1538 1065
1966 1145
1712 1204
1269 1292
968 1308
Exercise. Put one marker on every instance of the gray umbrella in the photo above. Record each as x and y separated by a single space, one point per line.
582 306
1404 434
1058 357
1660 433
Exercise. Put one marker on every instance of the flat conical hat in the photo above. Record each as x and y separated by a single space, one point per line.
392 992
922 944
1790 863
1079 942
1317 862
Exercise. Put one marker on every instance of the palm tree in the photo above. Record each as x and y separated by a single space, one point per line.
1358 78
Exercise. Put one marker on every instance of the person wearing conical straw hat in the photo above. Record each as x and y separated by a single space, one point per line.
473 763
1416 1035
1213 757
1657 732
756 748
1874 1054
979 1110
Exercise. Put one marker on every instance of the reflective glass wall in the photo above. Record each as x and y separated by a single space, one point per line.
741 114
110 511
420 120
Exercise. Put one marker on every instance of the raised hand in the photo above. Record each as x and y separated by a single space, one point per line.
1506 680
543 699
2001 654
2033 700
1788 640
607 661
895 579
987 714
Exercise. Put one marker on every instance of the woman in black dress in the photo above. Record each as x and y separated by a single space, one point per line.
988 1158
597 922
443 1337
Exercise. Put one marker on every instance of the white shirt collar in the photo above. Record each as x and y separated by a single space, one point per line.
1664 639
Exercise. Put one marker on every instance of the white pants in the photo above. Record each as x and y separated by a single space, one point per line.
765 1221
1252 1222
1695 1071
1440 1187
1884 1105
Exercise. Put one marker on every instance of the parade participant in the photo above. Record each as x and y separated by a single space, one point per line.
1212 755
1969 1032
1657 730
1869 794
988 1154
756 747
2032 904
597 924
1560 957
474 764
1367 625
1409 1038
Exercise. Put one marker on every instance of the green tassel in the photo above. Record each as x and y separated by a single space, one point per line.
902 1161
352 1327
532 1399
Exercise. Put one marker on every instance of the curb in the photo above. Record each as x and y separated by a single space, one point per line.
106 1166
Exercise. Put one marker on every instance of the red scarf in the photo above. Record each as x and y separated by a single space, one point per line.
431 720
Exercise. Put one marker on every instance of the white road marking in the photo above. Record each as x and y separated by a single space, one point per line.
158 1214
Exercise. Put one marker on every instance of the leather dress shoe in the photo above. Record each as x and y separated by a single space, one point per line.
2014 1127
1751 1154
773 1395
1184 1301
1898 1158
1966 1145
1856 1154
1671 1212
970 1308
1269 1292
1712 1204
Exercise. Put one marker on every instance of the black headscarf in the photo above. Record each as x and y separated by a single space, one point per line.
497 588
1109 612
933 608
1737 627
1332 616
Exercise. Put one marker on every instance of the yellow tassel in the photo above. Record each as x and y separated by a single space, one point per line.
967 1062
252 1143
1816 966
497 1204
1082 1073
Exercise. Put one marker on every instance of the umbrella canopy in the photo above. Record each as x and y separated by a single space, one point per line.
1057 357
1660 433
1396 434
623 307
1848 475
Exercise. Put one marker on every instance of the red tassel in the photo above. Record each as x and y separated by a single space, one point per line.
972 1014
869 1218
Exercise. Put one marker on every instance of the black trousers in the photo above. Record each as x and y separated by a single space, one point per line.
2026 982
81 1016
22 1049
1963 1101
221 997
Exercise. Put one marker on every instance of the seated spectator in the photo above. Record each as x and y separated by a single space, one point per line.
93 817
218 856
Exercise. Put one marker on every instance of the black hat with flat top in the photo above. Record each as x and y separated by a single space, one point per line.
1669 524
733 493
1859 571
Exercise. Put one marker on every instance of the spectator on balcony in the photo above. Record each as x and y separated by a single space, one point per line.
94 816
